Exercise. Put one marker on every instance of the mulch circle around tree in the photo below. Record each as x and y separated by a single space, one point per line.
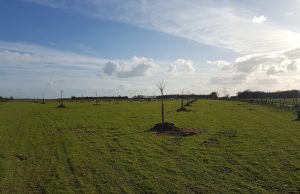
61 106
21 157
183 109
170 128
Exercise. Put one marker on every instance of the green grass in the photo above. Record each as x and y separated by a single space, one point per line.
241 148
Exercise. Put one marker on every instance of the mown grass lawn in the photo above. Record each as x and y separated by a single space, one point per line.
241 148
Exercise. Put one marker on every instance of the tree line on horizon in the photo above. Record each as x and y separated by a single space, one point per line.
248 94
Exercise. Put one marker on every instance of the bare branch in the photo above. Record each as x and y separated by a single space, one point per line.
161 86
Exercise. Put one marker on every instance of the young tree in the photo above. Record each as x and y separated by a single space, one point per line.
96 98
182 91
188 98
61 98
81 99
161 86
43 100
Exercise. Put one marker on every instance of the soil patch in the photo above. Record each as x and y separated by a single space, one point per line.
170 128
61 106
21 157
183 109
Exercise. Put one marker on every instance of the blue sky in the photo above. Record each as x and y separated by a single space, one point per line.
125 47
70 31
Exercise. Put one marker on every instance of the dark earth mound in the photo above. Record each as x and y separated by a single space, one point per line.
170 128
61 106
21 157
183 109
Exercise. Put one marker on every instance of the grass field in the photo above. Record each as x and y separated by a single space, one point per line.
241 148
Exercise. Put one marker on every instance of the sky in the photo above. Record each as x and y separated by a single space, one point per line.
124 47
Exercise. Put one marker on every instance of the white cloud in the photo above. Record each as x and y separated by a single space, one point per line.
28 57
259 67
220 24
259 19
28 70
181 66
293 65
269 81
235 79
271 63
140 66
224 65
274 70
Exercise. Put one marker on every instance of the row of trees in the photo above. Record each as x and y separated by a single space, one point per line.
248 94
283 99
189 98
4 99
100 98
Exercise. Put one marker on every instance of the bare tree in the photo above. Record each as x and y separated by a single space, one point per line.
61 98
43 96
182 91
81 99
161 86
188 98
96 98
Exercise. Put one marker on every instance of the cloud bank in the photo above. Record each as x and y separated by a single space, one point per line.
30 69
29 57
275 68
221 24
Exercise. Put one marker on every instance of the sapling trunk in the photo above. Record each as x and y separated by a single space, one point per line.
161 86
162 110
182 100
61 98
